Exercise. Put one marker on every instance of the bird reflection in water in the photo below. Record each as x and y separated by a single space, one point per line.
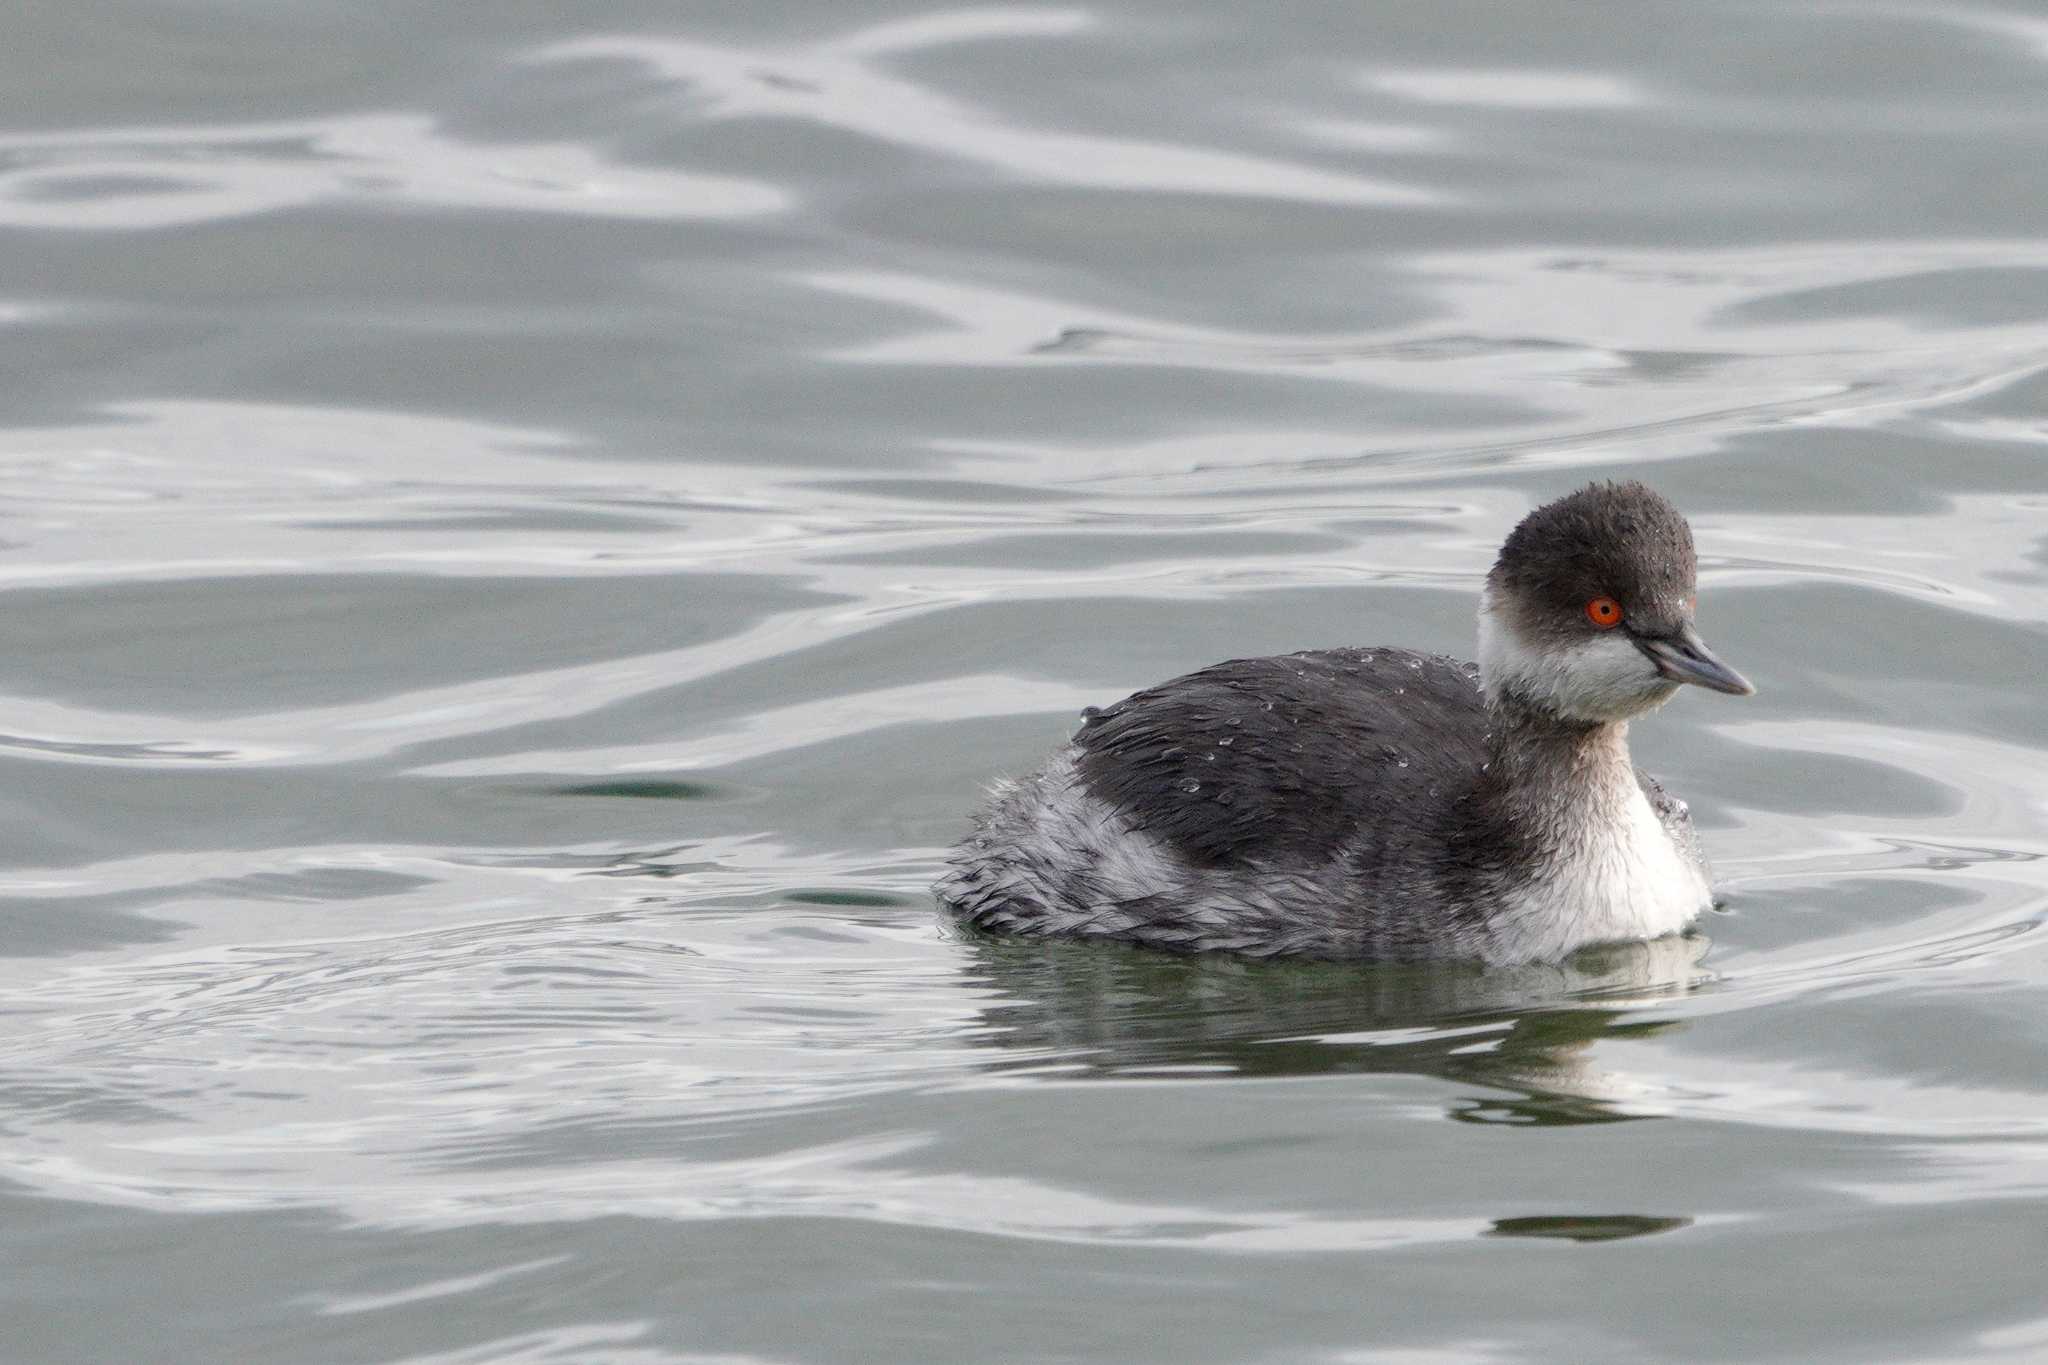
1081 1010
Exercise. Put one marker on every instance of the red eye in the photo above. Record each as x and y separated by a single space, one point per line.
1604 612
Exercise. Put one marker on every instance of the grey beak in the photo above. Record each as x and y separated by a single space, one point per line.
1684 657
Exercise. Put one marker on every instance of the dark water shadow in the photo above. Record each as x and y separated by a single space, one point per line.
1088 1010
1586 1227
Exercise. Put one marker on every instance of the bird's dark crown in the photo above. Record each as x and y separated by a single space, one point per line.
1619 540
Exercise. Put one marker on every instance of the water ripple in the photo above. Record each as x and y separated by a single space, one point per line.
838 83
139 179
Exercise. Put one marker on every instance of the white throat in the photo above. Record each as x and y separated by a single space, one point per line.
1613 872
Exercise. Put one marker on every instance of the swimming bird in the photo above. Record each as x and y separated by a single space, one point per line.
1377 803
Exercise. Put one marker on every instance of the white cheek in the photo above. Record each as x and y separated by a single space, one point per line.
1505 663
1601 678
1608 678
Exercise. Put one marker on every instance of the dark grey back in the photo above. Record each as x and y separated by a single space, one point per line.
1294 756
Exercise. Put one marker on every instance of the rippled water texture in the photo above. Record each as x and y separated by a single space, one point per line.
524 529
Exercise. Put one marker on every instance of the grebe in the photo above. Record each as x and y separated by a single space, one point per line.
1382 804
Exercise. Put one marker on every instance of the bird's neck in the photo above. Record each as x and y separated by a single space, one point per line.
1547 774
1576 851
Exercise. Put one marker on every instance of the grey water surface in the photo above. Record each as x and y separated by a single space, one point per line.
525 528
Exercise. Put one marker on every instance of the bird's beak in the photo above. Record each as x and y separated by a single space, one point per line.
1683 656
